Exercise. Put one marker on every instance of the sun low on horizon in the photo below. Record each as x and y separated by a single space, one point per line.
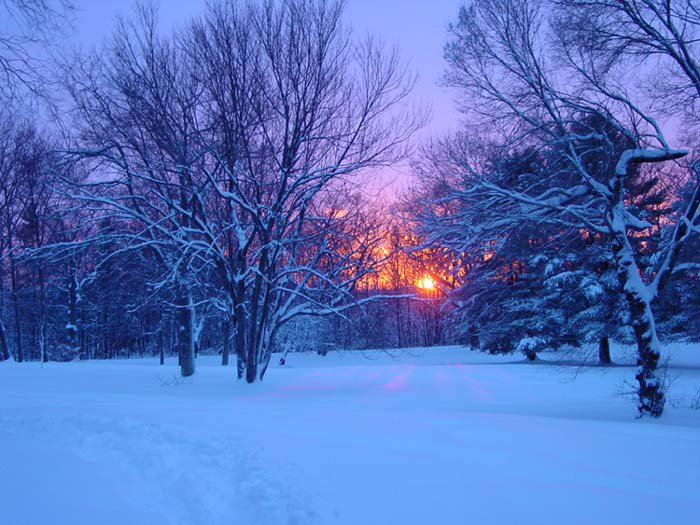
426 283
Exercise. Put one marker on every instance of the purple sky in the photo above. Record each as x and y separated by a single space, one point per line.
418 28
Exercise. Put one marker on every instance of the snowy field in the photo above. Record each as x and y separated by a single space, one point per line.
438 436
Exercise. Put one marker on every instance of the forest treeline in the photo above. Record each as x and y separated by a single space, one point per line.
204 189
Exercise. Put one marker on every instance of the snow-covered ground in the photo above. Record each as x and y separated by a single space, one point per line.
437 436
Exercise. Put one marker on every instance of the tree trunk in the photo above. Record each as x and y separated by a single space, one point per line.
227 341
251 365
651 394
42 321
240 338
283 359
400 340
19 355
186 339
474 342
251 342
604 350
176 318
161 345
240 365
4 347
72 327
651 398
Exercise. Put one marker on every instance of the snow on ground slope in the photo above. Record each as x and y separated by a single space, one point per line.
429 436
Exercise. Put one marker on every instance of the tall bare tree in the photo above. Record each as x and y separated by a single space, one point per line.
298 105
217 149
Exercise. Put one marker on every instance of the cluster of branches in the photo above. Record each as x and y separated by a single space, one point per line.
28 27
568 207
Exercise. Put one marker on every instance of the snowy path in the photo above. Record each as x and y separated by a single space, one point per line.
447 437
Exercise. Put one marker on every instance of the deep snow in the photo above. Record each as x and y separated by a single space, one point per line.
440 436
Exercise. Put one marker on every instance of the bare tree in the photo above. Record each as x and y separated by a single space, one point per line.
26 170
11 206
218 149
138 111
316 107
15 162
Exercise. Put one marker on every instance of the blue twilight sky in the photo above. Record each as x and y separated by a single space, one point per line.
417 27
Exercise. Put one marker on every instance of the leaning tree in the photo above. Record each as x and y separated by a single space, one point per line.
527 84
